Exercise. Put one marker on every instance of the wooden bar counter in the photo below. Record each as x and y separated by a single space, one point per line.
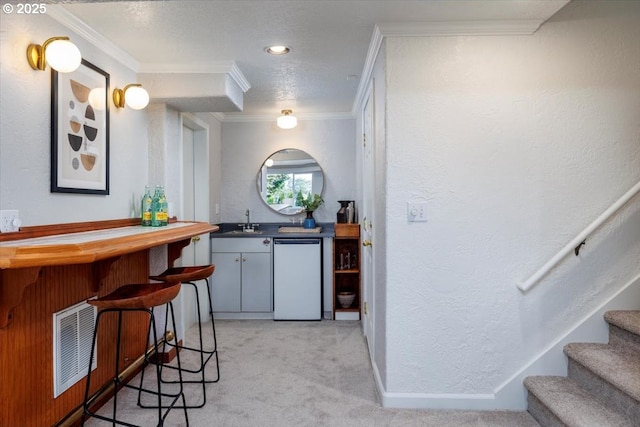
46 269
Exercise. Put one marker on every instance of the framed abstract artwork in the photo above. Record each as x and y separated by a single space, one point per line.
80 131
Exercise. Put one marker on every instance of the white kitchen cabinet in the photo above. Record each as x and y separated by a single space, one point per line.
242 280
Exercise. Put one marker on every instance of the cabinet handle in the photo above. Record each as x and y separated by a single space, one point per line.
237 259
266 242
367 243
195 239
244 260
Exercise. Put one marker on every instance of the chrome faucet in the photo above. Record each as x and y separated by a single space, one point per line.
247 226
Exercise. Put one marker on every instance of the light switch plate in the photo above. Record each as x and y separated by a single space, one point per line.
416 211
10 220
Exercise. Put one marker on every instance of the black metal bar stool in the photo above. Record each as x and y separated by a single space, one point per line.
190 275
136 298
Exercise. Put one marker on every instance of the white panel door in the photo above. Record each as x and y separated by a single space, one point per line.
368 203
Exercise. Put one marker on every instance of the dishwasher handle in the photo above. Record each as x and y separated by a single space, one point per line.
296 241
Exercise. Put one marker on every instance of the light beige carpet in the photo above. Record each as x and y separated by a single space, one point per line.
298 374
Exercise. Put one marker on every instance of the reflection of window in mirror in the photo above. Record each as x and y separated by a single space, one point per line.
288 187
286 177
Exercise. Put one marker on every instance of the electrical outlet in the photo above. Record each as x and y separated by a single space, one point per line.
416 211
10 220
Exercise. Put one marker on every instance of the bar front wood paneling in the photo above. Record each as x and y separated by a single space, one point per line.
26 341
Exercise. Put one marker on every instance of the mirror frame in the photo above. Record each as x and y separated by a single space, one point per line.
260 181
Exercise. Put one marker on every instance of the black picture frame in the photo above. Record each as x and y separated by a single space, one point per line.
80 130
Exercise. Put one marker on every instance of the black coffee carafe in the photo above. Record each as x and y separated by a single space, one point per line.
342 217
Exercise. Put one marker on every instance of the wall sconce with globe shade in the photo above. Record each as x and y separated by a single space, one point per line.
61 55
133 95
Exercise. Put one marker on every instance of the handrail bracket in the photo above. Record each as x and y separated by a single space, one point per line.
580 239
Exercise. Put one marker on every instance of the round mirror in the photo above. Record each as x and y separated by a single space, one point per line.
285 177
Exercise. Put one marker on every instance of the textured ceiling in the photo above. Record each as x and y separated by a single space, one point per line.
329 40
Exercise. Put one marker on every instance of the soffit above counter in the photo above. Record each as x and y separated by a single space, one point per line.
214 88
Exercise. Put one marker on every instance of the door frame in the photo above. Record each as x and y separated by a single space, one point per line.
201 152
368 192
198 251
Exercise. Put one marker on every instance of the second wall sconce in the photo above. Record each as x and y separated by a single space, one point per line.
133 95
61 55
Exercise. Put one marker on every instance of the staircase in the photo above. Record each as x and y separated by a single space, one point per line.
602 388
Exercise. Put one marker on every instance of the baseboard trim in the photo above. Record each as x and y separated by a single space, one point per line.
477 402
429 400
511 394
167 356
243 316
103 395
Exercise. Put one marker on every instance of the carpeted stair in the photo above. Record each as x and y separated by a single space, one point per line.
603 384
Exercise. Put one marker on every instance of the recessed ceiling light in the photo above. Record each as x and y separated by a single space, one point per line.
277 50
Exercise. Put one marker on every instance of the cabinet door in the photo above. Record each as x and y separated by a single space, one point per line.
225 282
256 282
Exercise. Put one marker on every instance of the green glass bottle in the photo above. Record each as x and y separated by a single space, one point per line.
164 207
156 213
146 207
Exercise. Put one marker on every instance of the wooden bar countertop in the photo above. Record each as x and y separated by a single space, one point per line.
91 246
25 253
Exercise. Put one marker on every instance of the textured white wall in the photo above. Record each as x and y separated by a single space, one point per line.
25 133
246 145
165 153
516 144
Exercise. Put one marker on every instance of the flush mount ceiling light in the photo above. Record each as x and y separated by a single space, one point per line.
133 95
61 55
277 50
287 120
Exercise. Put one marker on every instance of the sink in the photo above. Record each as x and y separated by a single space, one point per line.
243 232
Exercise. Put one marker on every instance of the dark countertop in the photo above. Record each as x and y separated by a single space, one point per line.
270 229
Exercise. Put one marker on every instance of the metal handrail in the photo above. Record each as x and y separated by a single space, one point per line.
579 239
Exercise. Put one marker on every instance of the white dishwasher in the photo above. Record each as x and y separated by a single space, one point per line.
297 279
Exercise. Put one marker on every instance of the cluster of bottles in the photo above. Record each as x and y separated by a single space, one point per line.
347 261
347 212
154 208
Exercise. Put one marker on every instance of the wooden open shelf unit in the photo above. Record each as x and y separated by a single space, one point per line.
346 270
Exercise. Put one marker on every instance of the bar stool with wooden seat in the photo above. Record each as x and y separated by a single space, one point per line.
189 275
136 298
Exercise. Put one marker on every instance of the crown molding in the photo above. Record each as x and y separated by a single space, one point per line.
372 54
239 78
524 27
380 31
70 21
236 117
436 29
66 18
211 67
